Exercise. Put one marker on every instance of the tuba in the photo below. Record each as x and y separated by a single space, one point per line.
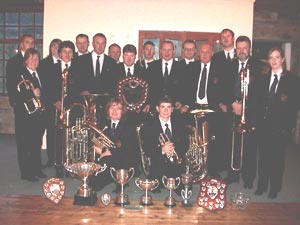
239 130
196 156
32 102
146 163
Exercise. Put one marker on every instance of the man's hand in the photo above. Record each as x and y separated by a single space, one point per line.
168 148
223 107
237 108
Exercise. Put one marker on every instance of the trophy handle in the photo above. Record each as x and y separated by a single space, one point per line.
156 184
176 186
102 168
131 170
163 180
188 196
137 183
112 172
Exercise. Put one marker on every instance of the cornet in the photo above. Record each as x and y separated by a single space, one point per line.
32 102
173 158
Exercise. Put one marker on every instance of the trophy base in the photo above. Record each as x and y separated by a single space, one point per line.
170 202
122 200
90 200
146 201
168 205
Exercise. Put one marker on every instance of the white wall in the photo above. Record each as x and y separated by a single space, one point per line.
120 20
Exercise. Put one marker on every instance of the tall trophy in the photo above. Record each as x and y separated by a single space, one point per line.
170 184
122 176
186 194
85 195
146 185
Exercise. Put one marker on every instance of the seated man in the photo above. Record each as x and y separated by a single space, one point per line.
167 158
122 134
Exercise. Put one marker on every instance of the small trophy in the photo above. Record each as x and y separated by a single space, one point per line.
85 195
170 184
186 194
146 185
122 176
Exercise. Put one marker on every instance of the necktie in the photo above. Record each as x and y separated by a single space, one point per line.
166 73
97 72
58 61
113 129
228 57
66 66
168 131
36 82
202 83
273 88
128 72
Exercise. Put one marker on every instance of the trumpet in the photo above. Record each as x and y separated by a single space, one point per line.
32 102
173 158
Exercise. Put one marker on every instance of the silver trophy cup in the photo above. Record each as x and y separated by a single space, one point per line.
186 194
85 195
122 177
146 185
170 184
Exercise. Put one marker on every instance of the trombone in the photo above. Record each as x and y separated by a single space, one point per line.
240 130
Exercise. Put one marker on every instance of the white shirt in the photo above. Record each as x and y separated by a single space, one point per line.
187 61
101 59
170 62
63 65
36 74
204 100
240 64
131 69
115 122
231 53
163 124
55 60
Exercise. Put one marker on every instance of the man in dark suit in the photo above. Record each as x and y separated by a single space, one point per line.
162 153
46 68
164 75
82 44
252 68
188 52
122 133
201 92
28 119
114 51
95 70
148 53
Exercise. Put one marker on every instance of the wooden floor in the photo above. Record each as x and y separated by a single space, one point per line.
25 210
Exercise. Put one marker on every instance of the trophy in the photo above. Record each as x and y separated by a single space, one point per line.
170 184
186 194
122 177
146 185
85 195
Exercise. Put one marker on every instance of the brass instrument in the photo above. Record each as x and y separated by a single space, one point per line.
197 153
146 163
239 130
61 120
32 102
102 141
173 158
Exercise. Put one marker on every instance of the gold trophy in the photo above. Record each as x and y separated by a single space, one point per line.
85 195
122 176
186 194
146 185
170 184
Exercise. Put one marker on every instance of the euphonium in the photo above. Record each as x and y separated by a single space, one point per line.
173 158
32 102
239 130
196 155
146 163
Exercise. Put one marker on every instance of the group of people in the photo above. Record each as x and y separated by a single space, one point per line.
213 81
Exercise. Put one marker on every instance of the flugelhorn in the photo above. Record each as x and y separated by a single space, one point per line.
239 130
31 102
173 158
102 140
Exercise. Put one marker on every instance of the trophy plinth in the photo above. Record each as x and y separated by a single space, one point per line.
170 184
146 185
85 195
122 177
186 194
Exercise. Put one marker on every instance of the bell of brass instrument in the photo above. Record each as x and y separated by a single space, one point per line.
239 130
196 156
32 102
173 158
146 163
